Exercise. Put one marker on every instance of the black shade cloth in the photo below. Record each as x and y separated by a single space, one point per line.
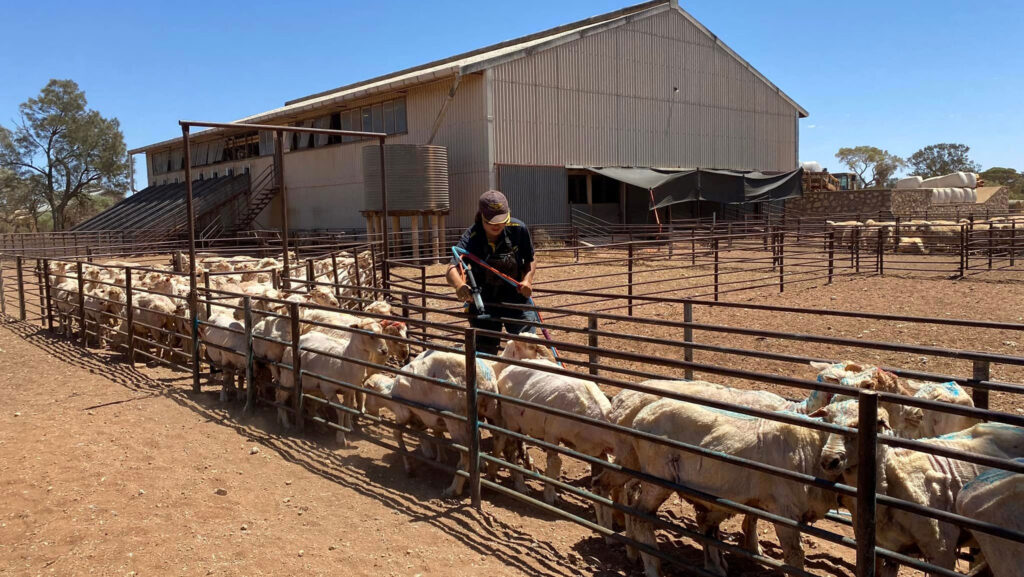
723 186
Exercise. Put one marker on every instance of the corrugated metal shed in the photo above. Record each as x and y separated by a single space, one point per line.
536 194
655 91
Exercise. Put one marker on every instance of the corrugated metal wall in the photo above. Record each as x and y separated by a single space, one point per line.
536 194
653 92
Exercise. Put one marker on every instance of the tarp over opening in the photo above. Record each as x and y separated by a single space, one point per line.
723 186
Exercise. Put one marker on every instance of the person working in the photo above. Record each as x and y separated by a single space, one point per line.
503 243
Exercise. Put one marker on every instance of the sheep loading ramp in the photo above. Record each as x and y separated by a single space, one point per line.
159 213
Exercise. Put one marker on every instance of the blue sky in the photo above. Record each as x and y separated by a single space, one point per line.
899 74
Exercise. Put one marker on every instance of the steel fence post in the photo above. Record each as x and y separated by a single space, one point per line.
963 249
423 295
129 311
81 304
355 267
1013 241
982 372
714 249
782 261
3 295
629 279
693 245
334 269
831 242
310 275
472 417
293 312
990 246
19 263
592 341
867 480
250 385
41 288
193 312
46 285
206 285
688 337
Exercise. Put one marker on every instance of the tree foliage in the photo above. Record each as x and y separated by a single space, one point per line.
865 160
939 159
1008 177
69 153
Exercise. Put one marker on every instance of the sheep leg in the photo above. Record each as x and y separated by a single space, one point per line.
500 446
553 471
792 550
406 460
646 498
708 523
751 542
281 396
461 436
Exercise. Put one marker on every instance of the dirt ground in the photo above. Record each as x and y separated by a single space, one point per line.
117 470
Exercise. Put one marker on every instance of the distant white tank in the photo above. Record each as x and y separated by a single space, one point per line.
811 166
946 195
909 182
971 178
972 195
957 196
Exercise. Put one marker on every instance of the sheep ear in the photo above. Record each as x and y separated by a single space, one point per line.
819 366
819 414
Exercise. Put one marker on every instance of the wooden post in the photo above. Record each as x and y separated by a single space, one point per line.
396 233
310 274
990 246
415 224
1013 240
435 237
693 245
423 295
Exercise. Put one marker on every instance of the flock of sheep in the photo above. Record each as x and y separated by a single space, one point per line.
428 393
921 236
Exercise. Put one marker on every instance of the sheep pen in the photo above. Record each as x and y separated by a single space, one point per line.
511 537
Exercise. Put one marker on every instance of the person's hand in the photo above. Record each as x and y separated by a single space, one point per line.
464 293
525 289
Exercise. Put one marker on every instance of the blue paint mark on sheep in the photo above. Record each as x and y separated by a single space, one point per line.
483 371
990 476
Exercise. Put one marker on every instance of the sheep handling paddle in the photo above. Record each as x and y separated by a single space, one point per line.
461 253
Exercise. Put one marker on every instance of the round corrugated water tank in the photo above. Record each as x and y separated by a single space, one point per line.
417 177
